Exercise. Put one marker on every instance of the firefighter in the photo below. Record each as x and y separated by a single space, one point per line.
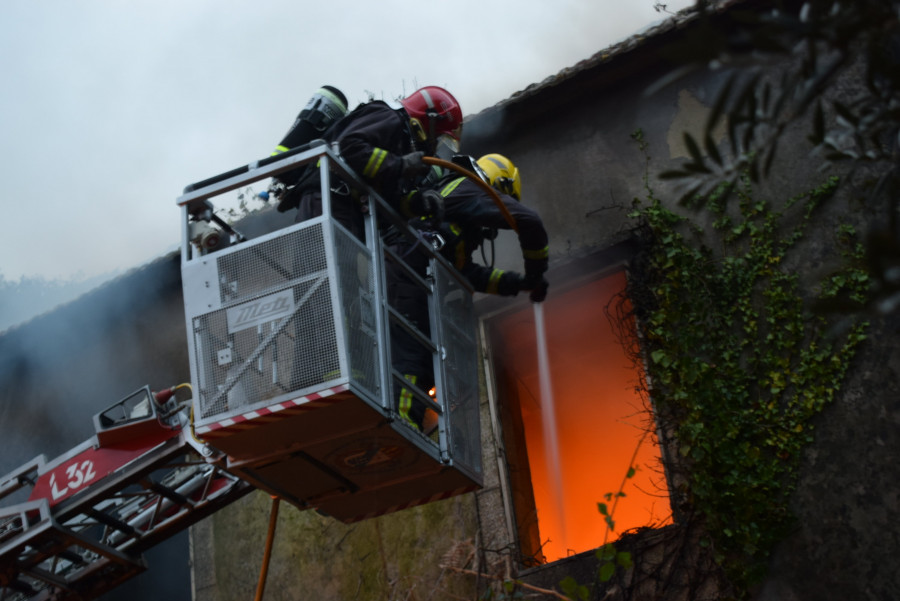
471 216
385 146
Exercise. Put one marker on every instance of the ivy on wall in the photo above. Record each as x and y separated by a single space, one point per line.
738 364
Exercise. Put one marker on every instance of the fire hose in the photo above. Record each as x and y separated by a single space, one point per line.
481 183
267 552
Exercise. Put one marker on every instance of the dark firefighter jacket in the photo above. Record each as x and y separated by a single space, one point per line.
469 212
372 139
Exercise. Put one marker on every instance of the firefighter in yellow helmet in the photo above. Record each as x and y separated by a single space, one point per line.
502 174
471 216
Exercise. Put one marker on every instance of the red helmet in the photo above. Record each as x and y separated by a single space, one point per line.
434 112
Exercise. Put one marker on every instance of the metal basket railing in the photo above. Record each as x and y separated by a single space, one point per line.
303 307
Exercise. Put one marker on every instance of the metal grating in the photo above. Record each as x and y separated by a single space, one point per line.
261 267
458 339
275 333
356 277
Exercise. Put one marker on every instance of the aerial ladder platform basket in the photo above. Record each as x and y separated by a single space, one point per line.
289 338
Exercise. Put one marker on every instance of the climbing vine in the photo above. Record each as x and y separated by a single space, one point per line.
737 362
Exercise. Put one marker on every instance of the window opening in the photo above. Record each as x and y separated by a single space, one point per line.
602 425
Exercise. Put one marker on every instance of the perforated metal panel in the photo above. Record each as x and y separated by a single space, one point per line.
274 332
356 272
460 368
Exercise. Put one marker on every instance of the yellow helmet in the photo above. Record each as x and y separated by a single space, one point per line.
502 174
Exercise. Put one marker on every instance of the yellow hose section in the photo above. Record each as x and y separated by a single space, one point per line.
481 183
267 554
191 414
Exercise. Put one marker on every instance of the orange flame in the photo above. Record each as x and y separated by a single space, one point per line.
599 417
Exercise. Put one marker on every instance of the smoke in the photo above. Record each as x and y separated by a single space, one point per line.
22 299
156 94
487 126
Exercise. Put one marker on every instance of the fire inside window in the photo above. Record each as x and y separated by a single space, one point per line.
602 425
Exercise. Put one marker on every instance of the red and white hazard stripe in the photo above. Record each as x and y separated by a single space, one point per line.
274 412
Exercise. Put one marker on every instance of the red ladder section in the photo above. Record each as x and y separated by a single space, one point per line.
92 512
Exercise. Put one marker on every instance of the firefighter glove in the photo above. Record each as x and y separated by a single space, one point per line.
538 286
428 204
510 283
412 165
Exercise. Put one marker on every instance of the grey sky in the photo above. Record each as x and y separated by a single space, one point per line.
109 108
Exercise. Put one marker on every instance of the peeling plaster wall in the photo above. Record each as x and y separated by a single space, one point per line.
690 117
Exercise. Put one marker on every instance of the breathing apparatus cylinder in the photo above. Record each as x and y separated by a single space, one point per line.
325 107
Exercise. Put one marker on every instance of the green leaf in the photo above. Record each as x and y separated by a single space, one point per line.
607 552
818 134
601 507
693 148
568 586
770 157
672 174
660 356
846 113
606 571
711 149
573 590
719 105
698 167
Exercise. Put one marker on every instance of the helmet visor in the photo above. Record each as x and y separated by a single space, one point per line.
507 185
446 147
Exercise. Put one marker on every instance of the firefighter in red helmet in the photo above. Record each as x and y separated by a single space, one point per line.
385 146
434 117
